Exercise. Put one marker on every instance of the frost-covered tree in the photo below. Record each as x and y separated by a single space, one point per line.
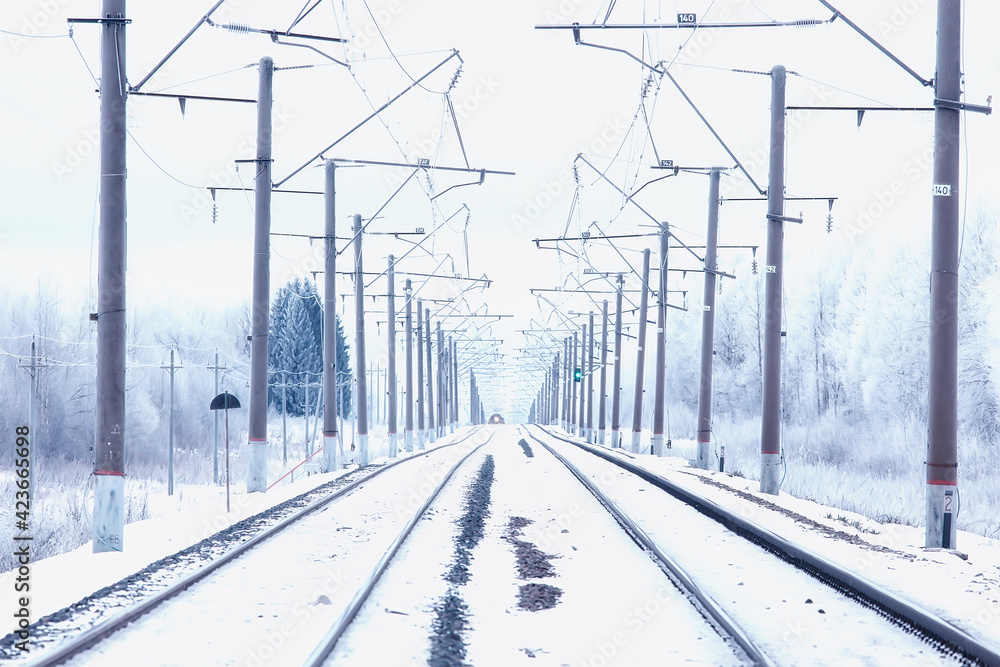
295 351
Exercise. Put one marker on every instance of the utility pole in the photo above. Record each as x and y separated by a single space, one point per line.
170 447
572 398
359 351
109 445
581 425
942 418
421 434
659 400
215 414
34 368
442 387
616 384
331 397
393 427
454 377
472 397
554 413
257 456
590 383
567 379
602 403
431 430
284 417
770 430
408 390
704 456
640 364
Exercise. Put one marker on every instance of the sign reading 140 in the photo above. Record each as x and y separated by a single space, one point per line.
687 18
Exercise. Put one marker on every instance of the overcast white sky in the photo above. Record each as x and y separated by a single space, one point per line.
528 101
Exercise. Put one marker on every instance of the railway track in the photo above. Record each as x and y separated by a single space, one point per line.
708 631
184 628
486 552
943 642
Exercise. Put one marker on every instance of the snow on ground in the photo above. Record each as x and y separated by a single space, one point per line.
964 592
595 620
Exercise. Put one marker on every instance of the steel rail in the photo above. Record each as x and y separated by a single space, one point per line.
323 650
673 570
891 606
105 629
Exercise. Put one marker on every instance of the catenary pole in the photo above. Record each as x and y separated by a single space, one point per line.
431 430
454 378
659 383
704 455
582 423
332 459
257 411
393 412
408 389
572 399
590 382
109 445
616 380
770 430
441 384
603 396
419 350
640 363
567 380
364 457
942 418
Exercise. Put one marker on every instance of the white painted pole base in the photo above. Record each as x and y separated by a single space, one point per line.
636 437
408 440
770 473
364 456
451 427
942 510
331 453
704 456
432 435
393 445
602 436
590 436
422 439
109 513
616 438
657 442
257 467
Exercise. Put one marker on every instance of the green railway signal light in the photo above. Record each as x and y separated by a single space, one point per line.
577 375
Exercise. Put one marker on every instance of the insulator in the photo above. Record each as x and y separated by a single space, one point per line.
829 223
241 28
455 78
576 175
753 267
215 213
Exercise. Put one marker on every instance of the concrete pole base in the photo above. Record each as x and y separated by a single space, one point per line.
770 473
331 453
257 466
602 436
408 440
364 456
704 460
616 438
942 510
432 435
590 436
393 445
636 437
657 442
109 513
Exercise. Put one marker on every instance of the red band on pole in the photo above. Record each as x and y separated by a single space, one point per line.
942 482
112 473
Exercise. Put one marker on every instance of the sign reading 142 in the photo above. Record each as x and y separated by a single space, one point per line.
687 18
